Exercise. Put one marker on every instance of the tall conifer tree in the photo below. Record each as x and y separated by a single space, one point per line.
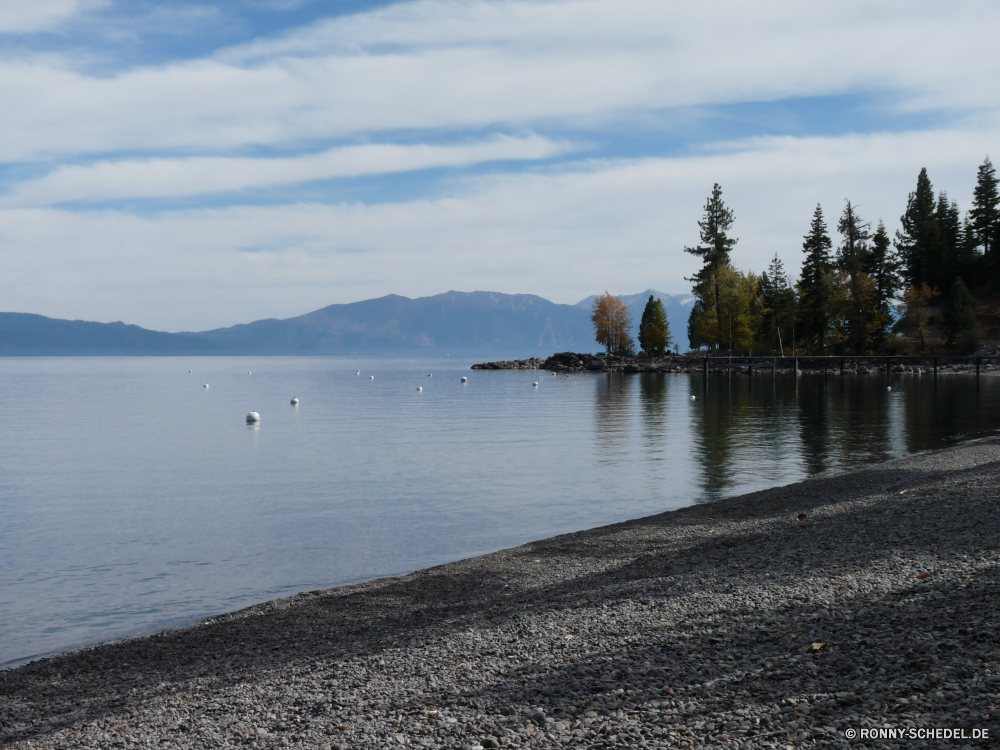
915 239
654 329
694 339
853 257
778 303
714 248
968 259
884 270
815 284
985 213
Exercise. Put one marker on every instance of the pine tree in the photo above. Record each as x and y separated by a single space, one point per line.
967 259
985 213
654 329
959 311
883 268
778 305
815 284
944 242
852 255
915 238
694 338
716 245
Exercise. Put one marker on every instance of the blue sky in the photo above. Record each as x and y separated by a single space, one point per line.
191 165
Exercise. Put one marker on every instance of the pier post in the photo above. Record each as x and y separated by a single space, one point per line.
841 366
750 368
774 366
978 360
704 368
935 367
886 368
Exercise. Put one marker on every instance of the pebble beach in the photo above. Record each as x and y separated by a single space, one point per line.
810 615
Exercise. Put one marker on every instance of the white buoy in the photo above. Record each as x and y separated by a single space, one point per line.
372 377
295 400
249 373
189 371
430 374
889 388
692 398
535 384
420 387
205 386
465 379
253 417
359 372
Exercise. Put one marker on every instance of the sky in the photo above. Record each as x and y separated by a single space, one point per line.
192 165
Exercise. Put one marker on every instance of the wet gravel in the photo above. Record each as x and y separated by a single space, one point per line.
783 618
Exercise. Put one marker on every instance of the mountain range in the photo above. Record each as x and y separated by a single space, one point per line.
487 324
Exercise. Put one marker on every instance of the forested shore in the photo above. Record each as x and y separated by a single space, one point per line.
930 289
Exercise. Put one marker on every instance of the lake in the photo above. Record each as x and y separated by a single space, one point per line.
133 499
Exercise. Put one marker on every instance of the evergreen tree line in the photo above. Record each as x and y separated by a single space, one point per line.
855 298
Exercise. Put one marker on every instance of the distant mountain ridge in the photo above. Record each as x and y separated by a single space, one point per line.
456 323
28 335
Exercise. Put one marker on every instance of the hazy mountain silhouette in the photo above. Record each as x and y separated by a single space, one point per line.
26 335
520 325
456 323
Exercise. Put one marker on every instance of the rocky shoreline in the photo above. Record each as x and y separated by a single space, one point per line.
695 363
796 615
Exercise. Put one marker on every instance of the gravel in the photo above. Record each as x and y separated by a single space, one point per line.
777 619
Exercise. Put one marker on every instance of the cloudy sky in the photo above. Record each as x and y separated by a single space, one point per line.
185 166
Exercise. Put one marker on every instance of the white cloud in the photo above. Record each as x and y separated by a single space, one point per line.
426 70
165 178
473 63
26 16
563 235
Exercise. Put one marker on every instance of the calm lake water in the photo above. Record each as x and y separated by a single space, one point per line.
132 498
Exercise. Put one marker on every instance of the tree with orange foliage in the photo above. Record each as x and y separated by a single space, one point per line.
612 323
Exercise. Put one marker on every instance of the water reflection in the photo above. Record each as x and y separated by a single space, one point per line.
772 431
613 415
653 389
366 480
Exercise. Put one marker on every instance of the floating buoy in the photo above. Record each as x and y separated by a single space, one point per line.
249 373
430 374
189 371
692 398
535 384
359 372
205 386
465 379
253 417
372 377
420 387
295 400
889 388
